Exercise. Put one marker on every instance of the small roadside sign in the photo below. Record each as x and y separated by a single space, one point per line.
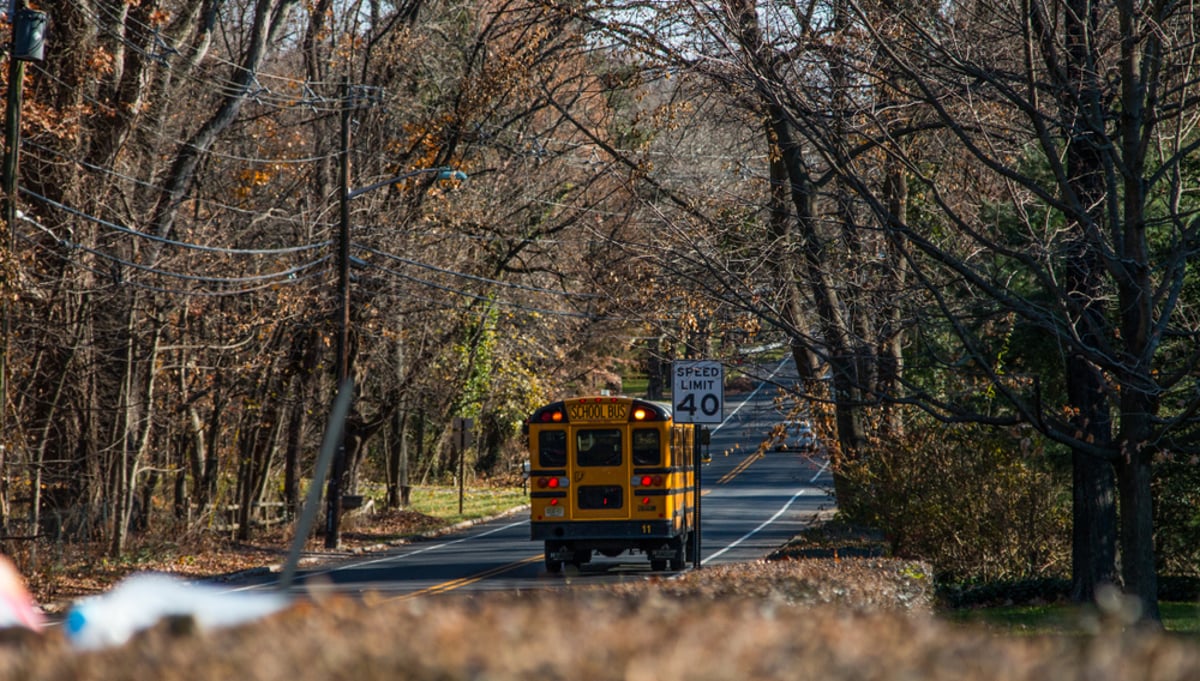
462 432
698 391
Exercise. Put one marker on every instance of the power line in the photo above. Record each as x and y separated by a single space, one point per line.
473 277
26 144
487 299
176 141
172 242
289 273
284 101
192 293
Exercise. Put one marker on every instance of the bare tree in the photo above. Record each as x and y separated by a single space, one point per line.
1041 275
1081 119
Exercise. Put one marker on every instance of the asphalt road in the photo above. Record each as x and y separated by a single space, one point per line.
751 504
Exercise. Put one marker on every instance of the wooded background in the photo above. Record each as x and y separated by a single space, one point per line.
969 212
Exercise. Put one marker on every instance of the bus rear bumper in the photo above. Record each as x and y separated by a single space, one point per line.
602 530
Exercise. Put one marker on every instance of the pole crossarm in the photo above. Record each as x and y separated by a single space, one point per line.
444 173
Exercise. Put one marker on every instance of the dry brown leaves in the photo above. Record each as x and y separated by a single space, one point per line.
833 618
868 585
671 630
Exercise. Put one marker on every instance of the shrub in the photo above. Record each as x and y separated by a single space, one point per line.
1177 516
978 504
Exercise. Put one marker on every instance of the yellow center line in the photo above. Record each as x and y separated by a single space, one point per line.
737 470
464 581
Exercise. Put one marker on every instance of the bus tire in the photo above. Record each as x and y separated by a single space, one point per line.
552 566
678 559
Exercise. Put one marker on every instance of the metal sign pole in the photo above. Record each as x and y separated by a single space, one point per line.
697 397
696 452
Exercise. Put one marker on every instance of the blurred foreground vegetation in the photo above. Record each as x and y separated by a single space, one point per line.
852 619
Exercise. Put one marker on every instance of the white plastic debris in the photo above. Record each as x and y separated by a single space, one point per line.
141 600
17 607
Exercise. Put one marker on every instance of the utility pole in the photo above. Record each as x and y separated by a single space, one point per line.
28 40
333 494
353 97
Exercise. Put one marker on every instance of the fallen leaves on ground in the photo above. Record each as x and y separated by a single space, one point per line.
58 574
659 632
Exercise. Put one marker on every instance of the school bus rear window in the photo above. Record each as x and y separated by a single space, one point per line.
552 448
598 447
646 448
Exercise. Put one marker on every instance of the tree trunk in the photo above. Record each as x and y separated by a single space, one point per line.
836 334
1094 526
654 369
1093 539
1136 300
137 402
1137 530
891 349
268 17
397 452
783 266
262 427
295 440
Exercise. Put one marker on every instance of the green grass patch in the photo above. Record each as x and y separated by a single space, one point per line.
1181 618
1068 620
635 386
443 502
1023 620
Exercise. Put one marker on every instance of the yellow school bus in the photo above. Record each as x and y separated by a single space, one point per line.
610 475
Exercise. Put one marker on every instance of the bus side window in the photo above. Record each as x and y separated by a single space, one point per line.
646 448
552 448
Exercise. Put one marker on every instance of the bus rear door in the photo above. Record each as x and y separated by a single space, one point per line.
600 471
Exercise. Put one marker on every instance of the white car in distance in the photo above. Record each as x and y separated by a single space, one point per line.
797 436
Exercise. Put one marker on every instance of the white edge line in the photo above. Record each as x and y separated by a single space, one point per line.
754 392
751 533
395 556
422 549
758 529
820 471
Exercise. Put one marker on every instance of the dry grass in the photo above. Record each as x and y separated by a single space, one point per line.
834 620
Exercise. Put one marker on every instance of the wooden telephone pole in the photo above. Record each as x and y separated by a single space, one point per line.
28 40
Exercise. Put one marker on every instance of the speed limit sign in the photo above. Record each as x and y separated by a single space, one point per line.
698 391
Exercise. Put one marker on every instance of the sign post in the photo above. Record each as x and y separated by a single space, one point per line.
697 396
463 434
